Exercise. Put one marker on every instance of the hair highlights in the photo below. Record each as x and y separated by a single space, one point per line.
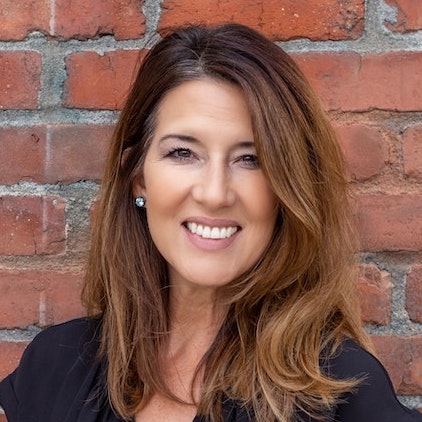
288 312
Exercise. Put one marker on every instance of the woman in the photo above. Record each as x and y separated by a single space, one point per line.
219 285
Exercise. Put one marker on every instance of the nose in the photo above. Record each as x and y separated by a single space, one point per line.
214 186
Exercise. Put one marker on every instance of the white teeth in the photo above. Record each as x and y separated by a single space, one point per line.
211 232
206 232
215 233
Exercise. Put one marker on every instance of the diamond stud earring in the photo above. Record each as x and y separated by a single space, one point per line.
140 202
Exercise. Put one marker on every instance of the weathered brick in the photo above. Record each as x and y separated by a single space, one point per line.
21 299
32 225
279 20
84 19
31 297
63 297
349 82
390 222
81 19
365 150
414 293
22 154
76 152
375 289
344 81
10 353
17 18
100 82
402 357
412 152
53 154
20 73
409 15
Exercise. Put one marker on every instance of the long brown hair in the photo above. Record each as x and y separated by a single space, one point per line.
294 307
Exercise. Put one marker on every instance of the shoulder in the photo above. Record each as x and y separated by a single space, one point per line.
352 360
76 337
58 349
56 374
374 399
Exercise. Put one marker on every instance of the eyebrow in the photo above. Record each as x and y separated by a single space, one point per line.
186 138
192 139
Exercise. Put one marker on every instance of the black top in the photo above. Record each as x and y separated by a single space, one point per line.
59 379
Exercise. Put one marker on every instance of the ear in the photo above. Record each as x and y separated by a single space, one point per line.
138 186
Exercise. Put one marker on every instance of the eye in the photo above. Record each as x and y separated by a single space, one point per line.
182 154
249 160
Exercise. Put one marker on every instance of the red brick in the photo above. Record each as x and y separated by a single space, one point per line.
53 154
349 82
365 150
21 299
402 357
32 225
31 297
22 154
414 293
99 82
390 222
17 18
81 19
277 19
76 152
412 152
84 19
375 292
409 15
10 356
63 297
20 73
3 418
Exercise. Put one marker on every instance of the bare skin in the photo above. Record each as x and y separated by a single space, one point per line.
195 323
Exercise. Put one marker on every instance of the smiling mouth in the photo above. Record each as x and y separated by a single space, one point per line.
208 232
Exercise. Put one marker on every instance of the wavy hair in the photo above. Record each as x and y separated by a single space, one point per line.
295 306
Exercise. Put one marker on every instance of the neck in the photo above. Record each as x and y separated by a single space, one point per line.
195 315
194 320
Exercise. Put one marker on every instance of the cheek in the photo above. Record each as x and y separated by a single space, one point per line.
160 205
261 201
165 193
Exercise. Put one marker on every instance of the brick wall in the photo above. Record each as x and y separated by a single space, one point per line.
64 71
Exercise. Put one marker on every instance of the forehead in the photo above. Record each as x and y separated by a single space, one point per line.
203 99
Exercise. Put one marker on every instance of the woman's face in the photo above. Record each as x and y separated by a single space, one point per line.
210 210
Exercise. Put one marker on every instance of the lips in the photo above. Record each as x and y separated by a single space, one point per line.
211 232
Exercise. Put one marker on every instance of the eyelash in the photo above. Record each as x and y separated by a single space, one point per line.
175 153
252 160
249 160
